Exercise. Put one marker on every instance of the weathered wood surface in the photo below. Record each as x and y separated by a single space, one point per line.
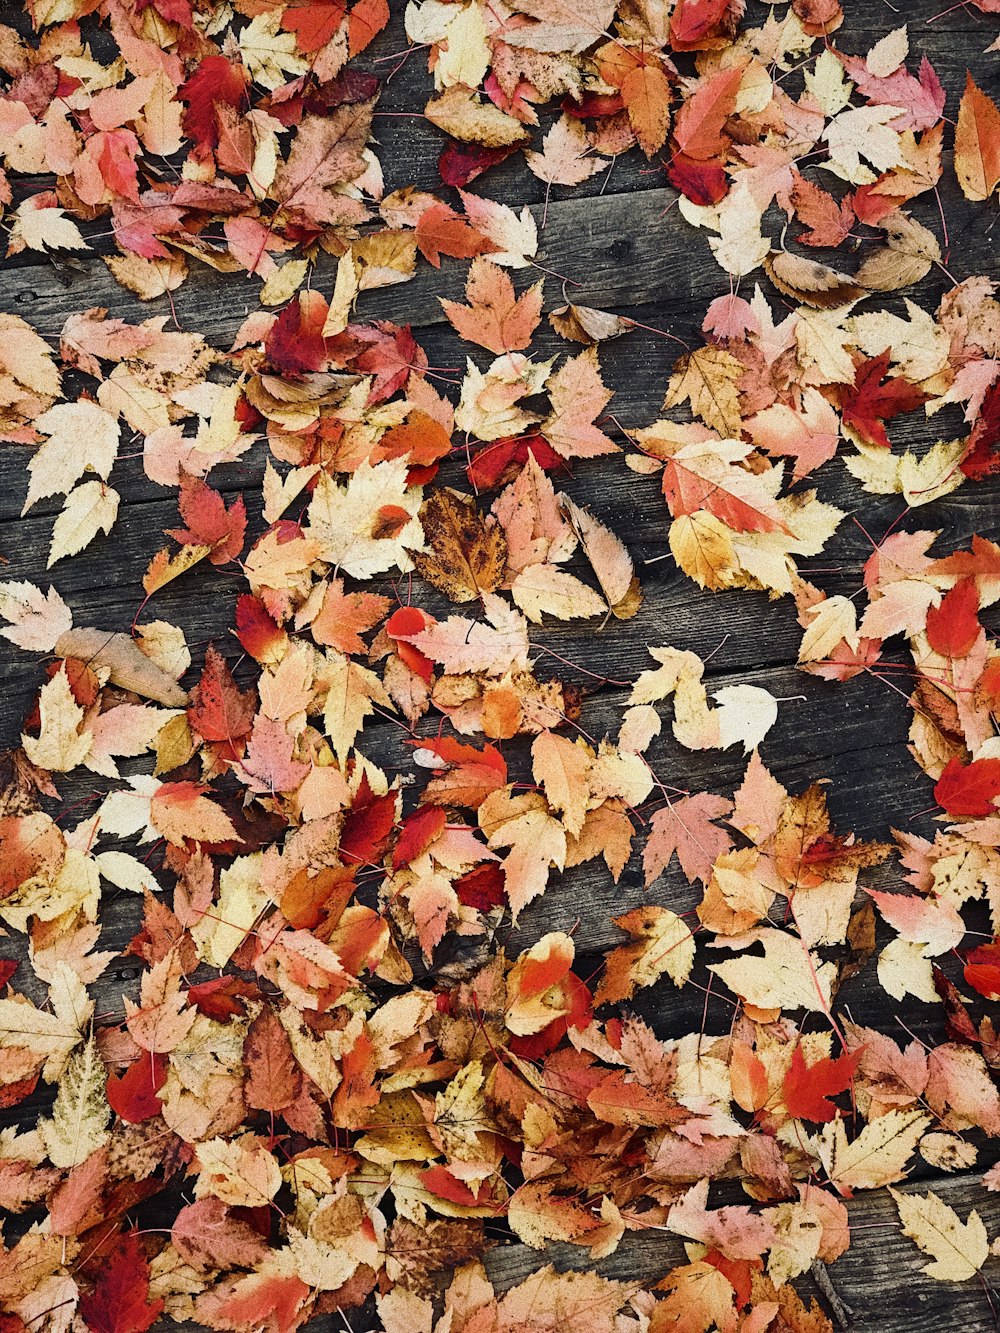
620 245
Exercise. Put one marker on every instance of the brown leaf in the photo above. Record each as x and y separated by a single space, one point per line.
468 553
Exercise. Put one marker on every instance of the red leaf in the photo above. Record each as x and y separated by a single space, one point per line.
295 343
367 19
313 23
593 104
869 403
982 969
482 888
8 966
133 1095
953 627
806 1089
703 183
461 163
698 128
439 1181
273 1082
829 222
419 830
442 231
308 898
982 458
219 710
220 997
392 354
969 789
503 459
120 1301
367 825
209 522
693 25
215 80
264 1301
258 632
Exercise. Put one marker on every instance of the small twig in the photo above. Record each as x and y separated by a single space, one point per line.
842 1312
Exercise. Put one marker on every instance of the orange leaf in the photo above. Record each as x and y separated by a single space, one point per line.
495 318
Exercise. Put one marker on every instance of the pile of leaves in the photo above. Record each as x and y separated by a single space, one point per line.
340 1076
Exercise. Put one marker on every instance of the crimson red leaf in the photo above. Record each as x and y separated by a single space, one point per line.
133 1095
120 1301
969 790
806 1089
953 627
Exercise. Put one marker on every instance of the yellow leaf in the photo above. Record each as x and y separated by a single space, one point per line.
82 437
90 509
663 944
240 1172
268 53
80 1115
60 744
879 1154
368 525
353 691
787 977
163 1018
562 768
37 619
706 378
461 114
50 1037
241 900
536 840
44 229
958 1249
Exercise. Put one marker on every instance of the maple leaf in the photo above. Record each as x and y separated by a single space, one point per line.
563 159
273 1081
867 405
326 153
495 318
662 944
216 80
562 768
37 620
879 1154
119 1302
82 437
828 220
442 231
806 1089
219 711
163 1019
957 1249
577 395
133 1095
80 1114
209 522
535 838
707 379
969 790
313 24
686 827
786 977
953 626
89 509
